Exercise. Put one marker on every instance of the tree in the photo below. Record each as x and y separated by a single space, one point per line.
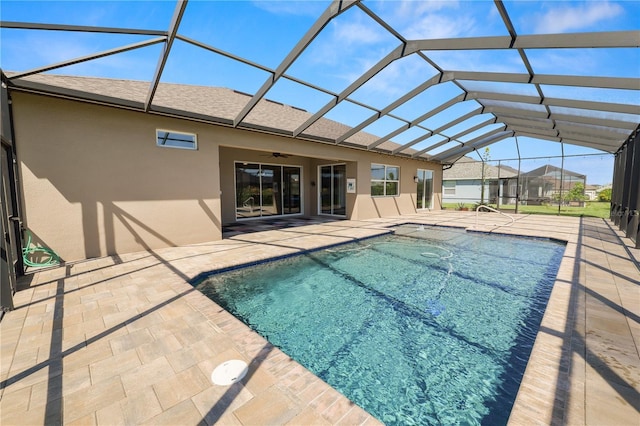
576 193
486 156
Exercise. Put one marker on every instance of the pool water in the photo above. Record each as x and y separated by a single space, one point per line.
428 326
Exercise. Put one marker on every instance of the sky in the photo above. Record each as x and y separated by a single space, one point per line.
264 32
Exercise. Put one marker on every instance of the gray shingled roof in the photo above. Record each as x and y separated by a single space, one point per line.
217 105
468 168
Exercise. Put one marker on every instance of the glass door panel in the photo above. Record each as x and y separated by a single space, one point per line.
247 190
291 190
333 189
325 190
339 190
425 189
271 197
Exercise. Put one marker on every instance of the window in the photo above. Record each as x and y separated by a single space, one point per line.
171 139
449 187
385 180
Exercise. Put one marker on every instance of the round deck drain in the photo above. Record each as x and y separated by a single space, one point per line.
229 372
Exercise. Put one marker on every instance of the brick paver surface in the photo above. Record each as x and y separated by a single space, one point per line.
127 340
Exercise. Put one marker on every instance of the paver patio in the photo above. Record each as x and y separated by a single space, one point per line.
127 340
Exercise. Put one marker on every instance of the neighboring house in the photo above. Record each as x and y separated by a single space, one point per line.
100 175
462 183
600 188
591 191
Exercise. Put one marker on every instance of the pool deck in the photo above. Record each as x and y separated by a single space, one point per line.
127 340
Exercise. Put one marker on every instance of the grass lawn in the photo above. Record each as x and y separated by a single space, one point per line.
591 208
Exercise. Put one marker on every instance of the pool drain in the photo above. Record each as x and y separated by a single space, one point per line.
229 372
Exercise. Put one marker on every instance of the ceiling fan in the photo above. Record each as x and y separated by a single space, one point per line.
277 155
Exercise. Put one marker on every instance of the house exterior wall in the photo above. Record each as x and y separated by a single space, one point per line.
467 191
95 183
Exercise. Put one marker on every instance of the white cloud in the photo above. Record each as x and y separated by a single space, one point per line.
358 32
419 19
396 79
565 61
289 7
434 26
410 9
478 61
362 41
33 51
566 18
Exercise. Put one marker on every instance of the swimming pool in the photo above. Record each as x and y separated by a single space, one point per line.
427 326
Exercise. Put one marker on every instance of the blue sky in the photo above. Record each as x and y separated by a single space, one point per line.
265 31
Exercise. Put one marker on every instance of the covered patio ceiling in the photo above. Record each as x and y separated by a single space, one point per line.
453 106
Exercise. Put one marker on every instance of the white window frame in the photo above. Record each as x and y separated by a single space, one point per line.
433 178
386 180
191 135
448 190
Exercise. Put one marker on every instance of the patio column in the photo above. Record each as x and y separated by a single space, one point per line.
617 190
625 197
633 221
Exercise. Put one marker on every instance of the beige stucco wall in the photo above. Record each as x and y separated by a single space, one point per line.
95 183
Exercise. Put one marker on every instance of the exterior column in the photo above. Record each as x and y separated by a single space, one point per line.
633 222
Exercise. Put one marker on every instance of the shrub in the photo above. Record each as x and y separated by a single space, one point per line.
605 195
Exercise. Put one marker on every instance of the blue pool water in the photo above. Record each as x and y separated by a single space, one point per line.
427 326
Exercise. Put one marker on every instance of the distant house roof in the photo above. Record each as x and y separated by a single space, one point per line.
468 168
216 105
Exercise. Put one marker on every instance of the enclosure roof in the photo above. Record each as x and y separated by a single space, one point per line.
428 97
553 171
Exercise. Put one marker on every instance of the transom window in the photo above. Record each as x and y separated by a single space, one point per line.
385 180
171 139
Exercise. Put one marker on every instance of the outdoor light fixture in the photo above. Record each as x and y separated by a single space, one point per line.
416 179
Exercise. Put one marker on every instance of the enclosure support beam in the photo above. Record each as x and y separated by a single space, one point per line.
561 177
625 196
518 176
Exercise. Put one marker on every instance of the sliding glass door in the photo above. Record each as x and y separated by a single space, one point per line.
264 190
333 189
425 189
